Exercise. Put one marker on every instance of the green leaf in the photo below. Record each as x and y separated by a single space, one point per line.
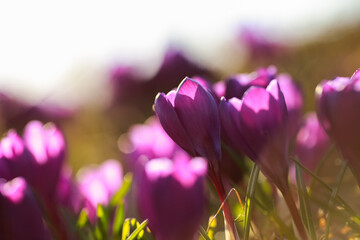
305 210
249 199
333 196
83 219
138 230
119 218
338 198
125 187
133 229
101 229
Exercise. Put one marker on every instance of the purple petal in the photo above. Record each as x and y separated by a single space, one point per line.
198 114
169 120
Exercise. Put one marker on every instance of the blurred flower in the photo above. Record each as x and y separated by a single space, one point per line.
294 102
16 113
257 125
311 144
133 92
98 185
20 216
171 195
67 192
260 45
338 111
47 145
147 140
15 158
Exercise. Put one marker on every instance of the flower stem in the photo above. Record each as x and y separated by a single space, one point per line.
230 229
293 211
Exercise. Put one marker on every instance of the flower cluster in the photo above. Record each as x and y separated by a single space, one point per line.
200 130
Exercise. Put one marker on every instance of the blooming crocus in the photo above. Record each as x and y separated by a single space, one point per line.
338 111
20 215
98 184
171 195
47 145
311 143
258 125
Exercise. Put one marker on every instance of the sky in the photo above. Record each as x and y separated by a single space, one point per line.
58 49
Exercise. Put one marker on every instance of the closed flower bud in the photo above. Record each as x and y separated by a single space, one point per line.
190 116
338 111
171 195
311 144
47 145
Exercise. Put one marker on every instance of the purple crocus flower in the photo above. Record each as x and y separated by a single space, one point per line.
338 111
148 140
190 116
20 215
98 185
15 159
311 143
237 85
257 125
171 195
47 145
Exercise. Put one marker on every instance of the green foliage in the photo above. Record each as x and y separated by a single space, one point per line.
249 199
305 210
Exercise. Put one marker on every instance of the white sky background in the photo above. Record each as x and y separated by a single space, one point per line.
62 47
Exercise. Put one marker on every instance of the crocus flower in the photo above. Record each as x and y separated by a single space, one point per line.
147 140
237 85
47 145
190 116
338 111
20 215
258 125
311 143
98 185
15 159
171 195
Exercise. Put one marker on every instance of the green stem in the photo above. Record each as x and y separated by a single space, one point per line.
250 191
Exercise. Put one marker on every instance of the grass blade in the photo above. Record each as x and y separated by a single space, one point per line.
134 234
304 203
203 233
338 198
333 196
125 187
250 191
